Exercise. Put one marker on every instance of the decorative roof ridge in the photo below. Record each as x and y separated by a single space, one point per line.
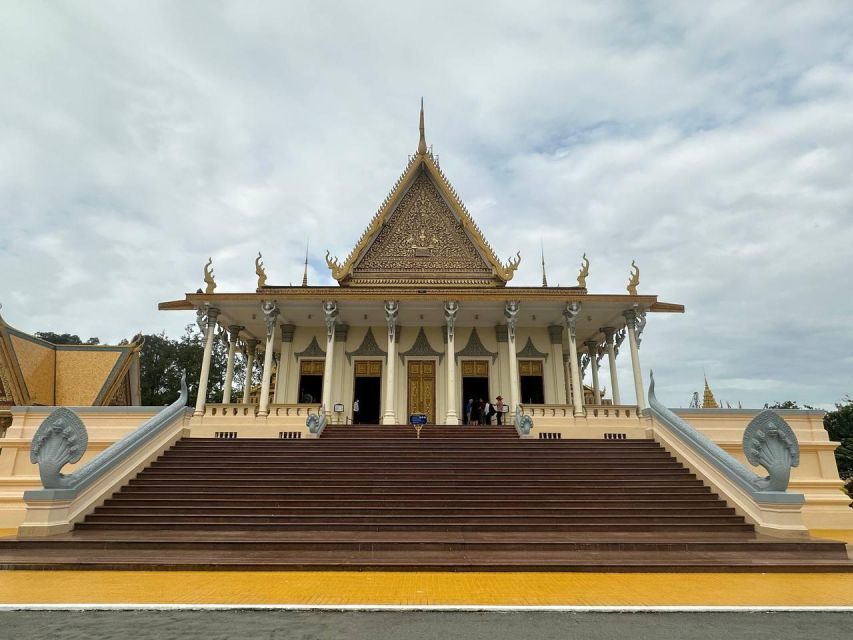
504 271
425 157
339 270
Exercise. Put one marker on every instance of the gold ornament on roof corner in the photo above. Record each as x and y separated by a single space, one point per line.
259 269
634 279
208 277
584 272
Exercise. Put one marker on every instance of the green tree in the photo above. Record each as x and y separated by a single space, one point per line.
788 404
839 425
64 338
163 360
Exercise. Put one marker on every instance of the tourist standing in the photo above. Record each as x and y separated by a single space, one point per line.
486 417
355 417
499 408
469 407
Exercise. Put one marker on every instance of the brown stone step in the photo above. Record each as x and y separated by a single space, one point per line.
336 518
698 528
285 500
277 507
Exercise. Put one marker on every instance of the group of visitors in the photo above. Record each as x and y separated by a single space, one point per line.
484 411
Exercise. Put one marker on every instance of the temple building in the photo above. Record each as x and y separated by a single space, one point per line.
423 319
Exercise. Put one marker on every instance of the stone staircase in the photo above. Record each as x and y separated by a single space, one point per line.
378 497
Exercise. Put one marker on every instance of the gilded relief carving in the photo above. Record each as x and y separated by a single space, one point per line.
422 235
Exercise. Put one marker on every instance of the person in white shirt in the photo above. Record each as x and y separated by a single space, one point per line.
355 418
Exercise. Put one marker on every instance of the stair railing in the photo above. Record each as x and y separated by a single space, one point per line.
62 439
316 422
768 441
523 422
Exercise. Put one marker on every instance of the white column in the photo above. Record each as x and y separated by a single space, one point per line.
555 333
233 334
609 337
252 346
201 398
389 415
451 308
632 318
287 331
511 309
592 351
270 310
330 311
571 313
567 370
337 393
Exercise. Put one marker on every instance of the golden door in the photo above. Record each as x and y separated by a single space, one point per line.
421 385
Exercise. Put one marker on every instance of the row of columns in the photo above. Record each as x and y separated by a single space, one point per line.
635 322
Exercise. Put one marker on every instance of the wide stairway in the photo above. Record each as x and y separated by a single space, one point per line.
458 498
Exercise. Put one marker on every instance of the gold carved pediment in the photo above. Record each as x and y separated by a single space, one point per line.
422 236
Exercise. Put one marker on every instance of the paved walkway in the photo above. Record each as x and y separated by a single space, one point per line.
332 625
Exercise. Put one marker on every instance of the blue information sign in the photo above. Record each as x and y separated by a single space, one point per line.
418 418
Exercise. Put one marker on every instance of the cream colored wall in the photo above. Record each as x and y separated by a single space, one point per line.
542 343
817 474
301 339
105 425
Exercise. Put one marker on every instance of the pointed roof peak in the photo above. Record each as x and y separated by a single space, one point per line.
422 142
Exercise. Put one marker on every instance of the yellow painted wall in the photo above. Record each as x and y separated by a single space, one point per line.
80 375
37 366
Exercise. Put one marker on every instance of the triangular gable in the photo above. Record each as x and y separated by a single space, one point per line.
422 235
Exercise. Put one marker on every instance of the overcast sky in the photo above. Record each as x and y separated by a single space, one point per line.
710 142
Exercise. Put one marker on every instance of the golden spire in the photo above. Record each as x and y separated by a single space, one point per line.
634 279
305 271
544 279
259 270
422 142
709 402
584 272
209 277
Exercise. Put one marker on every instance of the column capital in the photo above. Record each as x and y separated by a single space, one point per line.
630 316
210 314
234 332
392 312
451 308
330 315
287 331
501 333
609 333
571 313
252 344
341 332
511 309
555 333
270 310
591 348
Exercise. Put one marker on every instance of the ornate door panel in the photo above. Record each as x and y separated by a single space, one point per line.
421 388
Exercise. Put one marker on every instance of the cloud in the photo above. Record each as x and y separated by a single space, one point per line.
709 143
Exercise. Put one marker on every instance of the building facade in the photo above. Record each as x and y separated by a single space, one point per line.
423 319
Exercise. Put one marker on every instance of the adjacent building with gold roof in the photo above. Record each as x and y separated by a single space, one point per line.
35 372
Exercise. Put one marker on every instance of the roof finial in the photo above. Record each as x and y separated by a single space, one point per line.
709 401
544 279
305 271
422 143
